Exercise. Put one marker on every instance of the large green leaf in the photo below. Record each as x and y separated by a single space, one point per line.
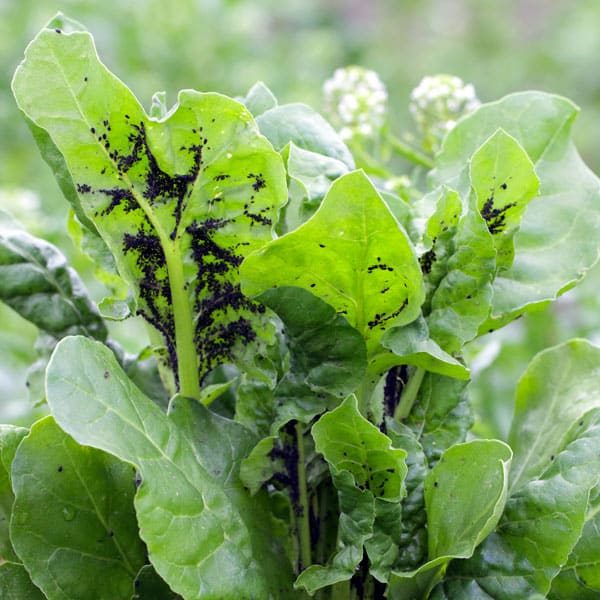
369 476
73 524
180 201
36 282
352 254
307 129
548 497
550 257
465 495
15 584
10 438
559 386
206 537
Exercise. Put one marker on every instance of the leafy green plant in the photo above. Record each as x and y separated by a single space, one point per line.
300 423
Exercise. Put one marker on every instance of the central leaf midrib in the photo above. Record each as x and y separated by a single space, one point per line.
182 314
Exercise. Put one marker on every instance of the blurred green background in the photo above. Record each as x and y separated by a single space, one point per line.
294 45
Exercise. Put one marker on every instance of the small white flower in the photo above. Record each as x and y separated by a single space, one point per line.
437 103
355 102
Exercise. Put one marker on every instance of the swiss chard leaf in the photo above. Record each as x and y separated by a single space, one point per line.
412 345
309 177
73 524
259 99
179 201
36 282
15 583
441 416
465 494
548 258
459 269
10 438
546 510
369 476
307 129
204 533
504 182
352 254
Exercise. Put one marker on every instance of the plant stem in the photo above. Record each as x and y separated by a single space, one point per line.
303 522
187 367
405 151
409 394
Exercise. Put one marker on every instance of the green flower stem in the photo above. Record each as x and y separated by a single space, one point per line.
405 151
303 520
409 395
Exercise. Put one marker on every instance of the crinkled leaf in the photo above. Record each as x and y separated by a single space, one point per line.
327 361
549 256
36 282
369 476
308 130
441 415
412 346
149 586
465 494
15 584
504 182
352 254
325 350
73 524
459 269
349 442
205 535
413 537
179 201
546 510
10 438
259 99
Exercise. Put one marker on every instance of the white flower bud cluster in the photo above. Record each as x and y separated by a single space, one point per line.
355 102
437 103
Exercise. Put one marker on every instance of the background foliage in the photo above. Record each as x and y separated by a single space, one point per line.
227 45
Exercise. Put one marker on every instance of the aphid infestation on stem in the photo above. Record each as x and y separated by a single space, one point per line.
298 425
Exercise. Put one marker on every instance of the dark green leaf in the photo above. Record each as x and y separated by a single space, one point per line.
15 584
189 465
10 438
73 524
36 282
